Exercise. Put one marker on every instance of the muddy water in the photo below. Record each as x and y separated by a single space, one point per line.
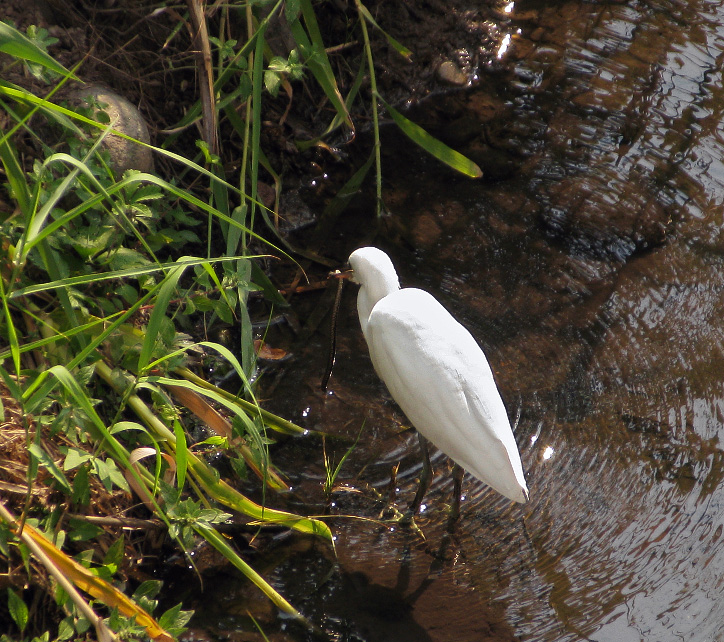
590 264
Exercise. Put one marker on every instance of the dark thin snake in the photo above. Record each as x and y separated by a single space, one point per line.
333 335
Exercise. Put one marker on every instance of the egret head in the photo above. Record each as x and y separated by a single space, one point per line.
376 275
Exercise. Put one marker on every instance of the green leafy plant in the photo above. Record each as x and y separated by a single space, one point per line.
280 69
331 471
98 297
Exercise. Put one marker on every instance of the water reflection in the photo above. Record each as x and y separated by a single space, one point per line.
591 267
610 271
594 278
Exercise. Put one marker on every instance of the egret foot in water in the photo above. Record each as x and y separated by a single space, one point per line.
425 479
452 520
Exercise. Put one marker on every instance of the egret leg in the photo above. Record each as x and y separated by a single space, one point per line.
425 478
457 474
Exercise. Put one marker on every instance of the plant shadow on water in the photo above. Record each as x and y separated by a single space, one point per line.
590 267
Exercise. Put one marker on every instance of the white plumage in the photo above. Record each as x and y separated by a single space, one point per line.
437 374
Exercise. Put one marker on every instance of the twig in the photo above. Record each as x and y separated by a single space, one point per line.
123 522
200 37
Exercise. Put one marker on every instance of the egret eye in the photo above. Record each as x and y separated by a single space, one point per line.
439 376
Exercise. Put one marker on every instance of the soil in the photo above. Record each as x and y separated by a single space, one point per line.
132 49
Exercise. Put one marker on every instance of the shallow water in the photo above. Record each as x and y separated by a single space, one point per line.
589 263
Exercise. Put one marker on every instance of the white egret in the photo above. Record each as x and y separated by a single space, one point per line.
439 376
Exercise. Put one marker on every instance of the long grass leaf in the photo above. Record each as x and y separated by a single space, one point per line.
342 198
59 336
49 464
37 392
221 201
432 145
12 334
36 221
232 498
181 454
16 44
257 77
153 329
11 381
35 104
205 475
233 408
97 587
23 96
54 268
97 427
248 355
270 291
15 176
219 543
273 421
74 281
130 180
397 46
193 400
338 120
316 58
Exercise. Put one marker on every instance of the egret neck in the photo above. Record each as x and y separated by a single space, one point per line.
380 280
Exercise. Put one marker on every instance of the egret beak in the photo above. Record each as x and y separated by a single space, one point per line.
343 274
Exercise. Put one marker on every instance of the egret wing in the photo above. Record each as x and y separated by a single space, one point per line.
440 378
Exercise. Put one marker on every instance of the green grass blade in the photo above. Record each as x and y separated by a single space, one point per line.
11 382
15 176
51 227
126 273
256 102
22 96
316 58
273 421
248 355
219 543
181 454
152 381
12 335
37 220
53 268
49 464
222 203
206 476
65 335
153 329
26 99
270 291
337 120
98 430
397 46
432 145
232 498
342 198
16 44
38 391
